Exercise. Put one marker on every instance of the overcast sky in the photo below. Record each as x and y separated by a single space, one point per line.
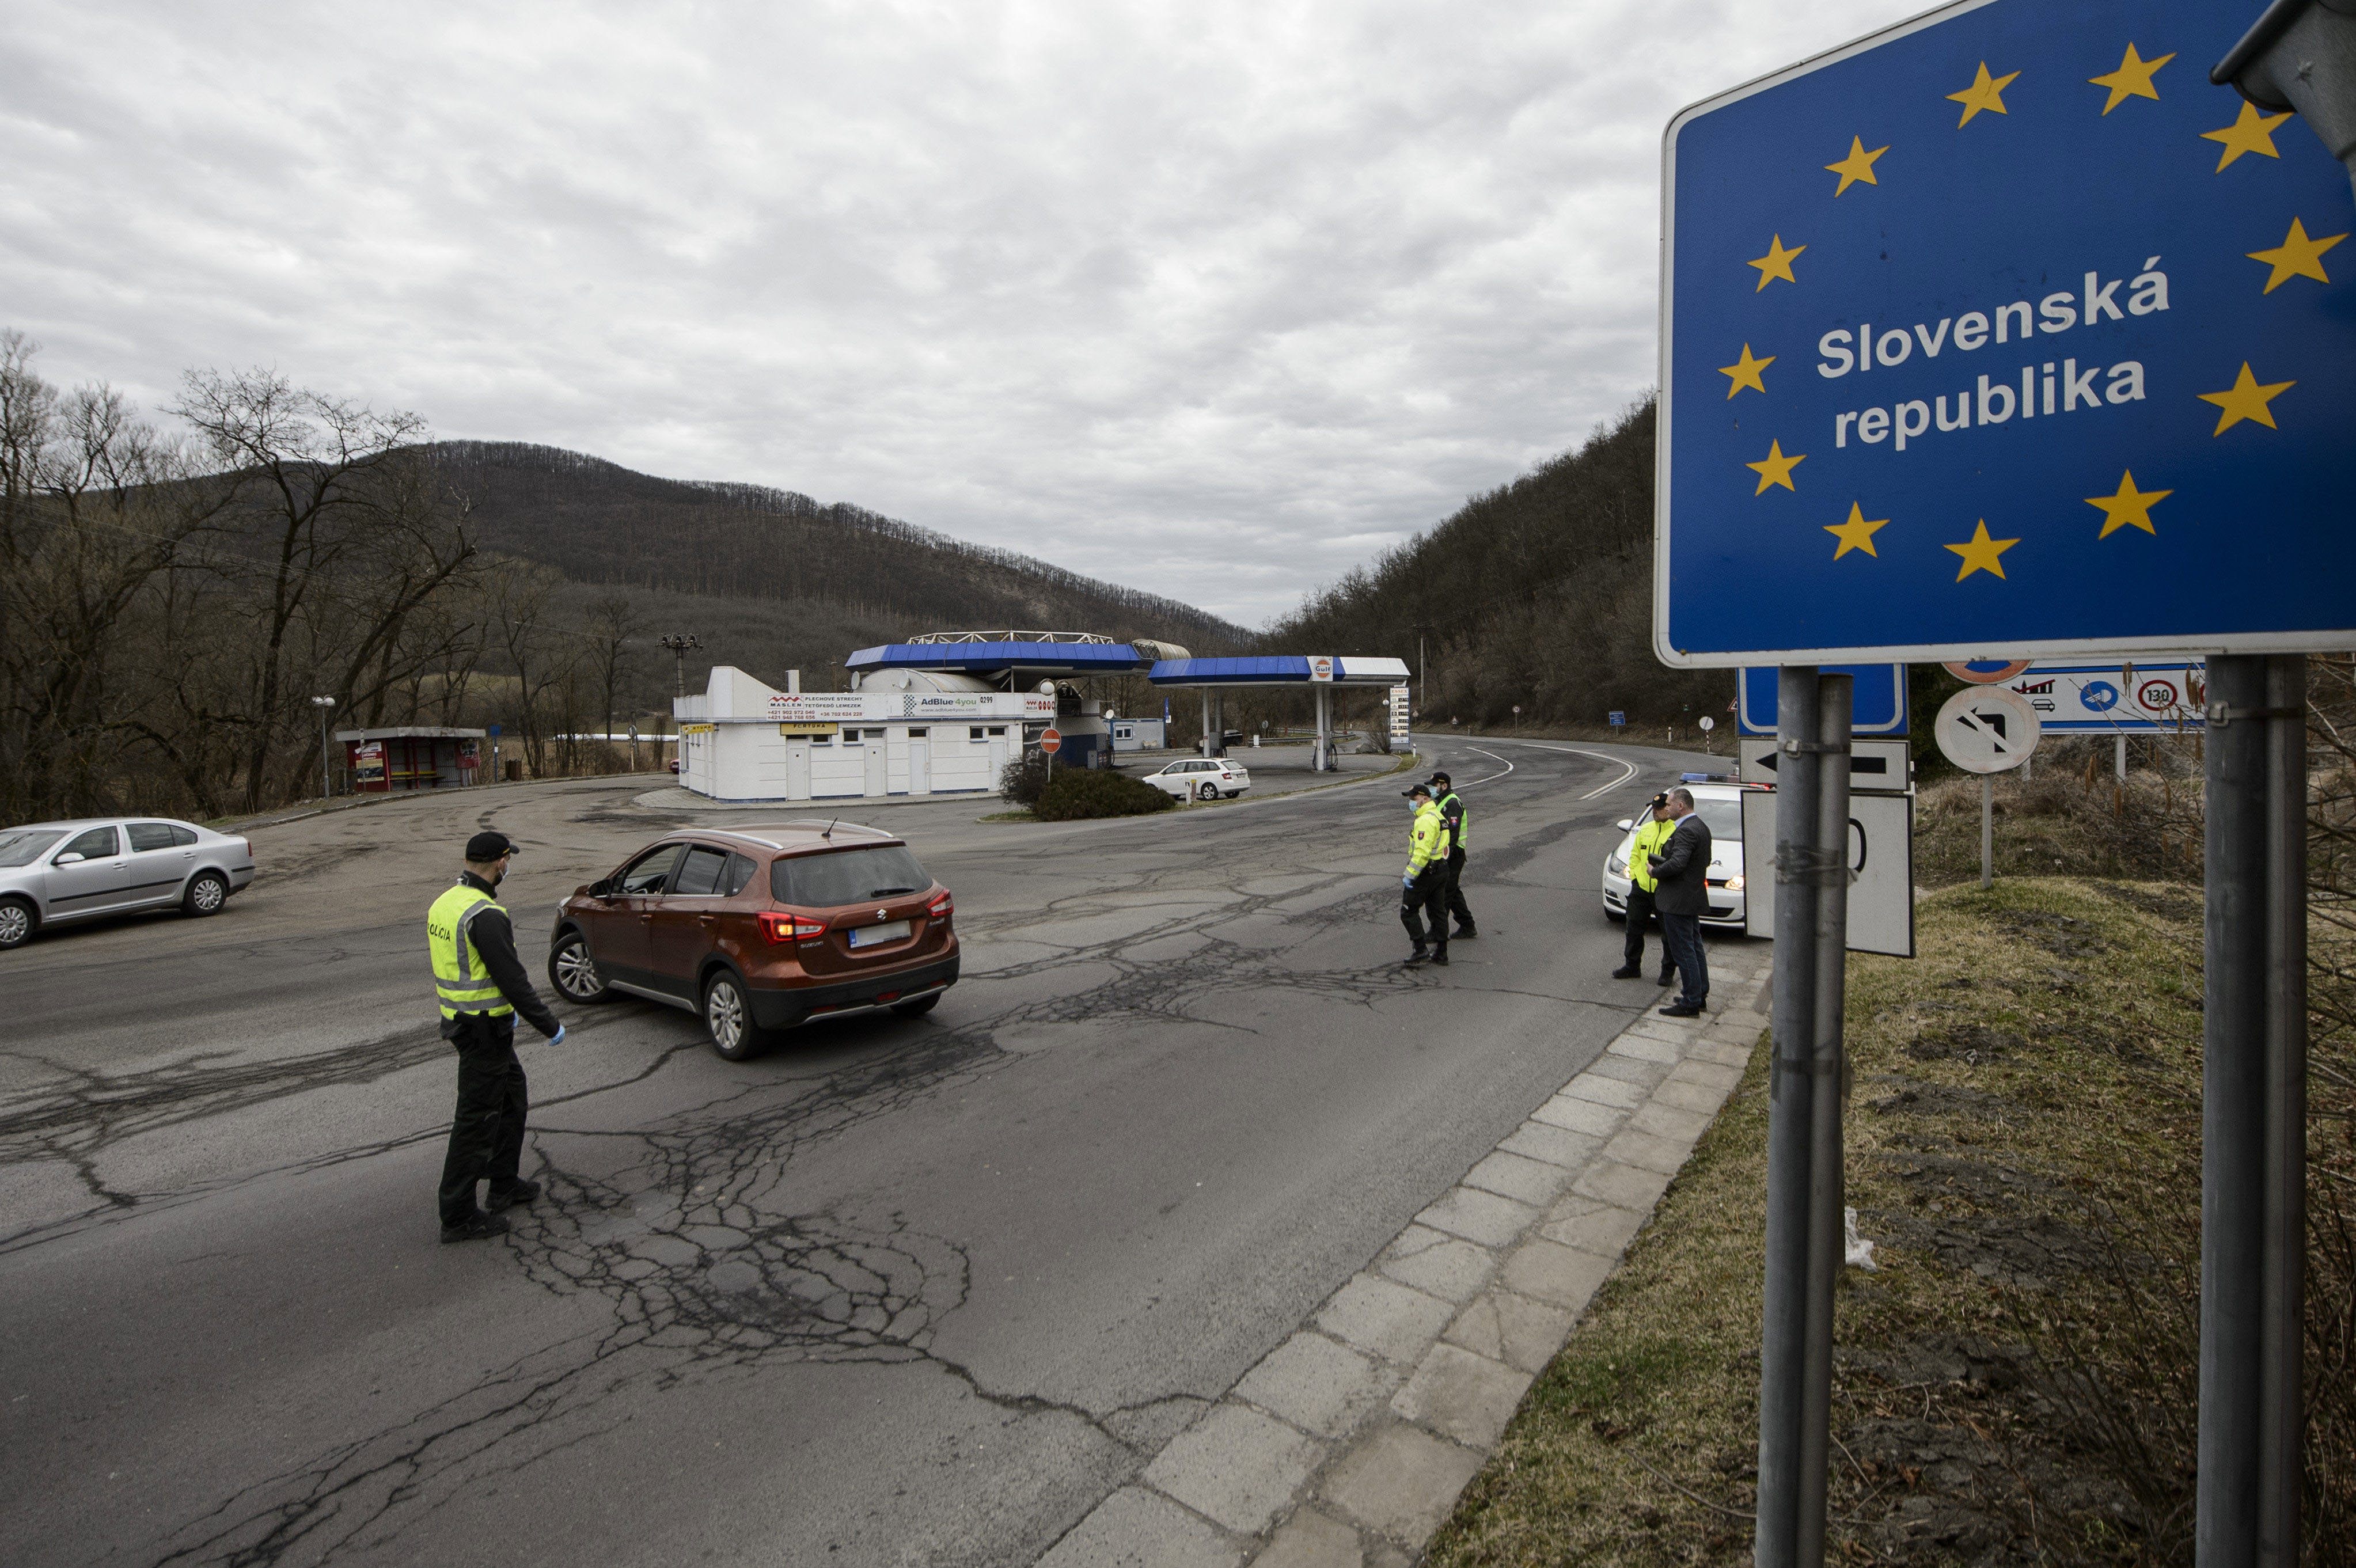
1215 300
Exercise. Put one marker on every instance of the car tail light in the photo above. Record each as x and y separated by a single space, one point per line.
782 928
941 908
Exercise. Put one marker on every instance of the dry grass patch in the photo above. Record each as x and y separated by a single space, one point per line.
2015 1384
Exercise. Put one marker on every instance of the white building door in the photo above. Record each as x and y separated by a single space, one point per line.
997 756
798 770
875 748
920 762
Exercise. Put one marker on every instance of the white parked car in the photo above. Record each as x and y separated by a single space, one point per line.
1202 778
1720 806
56 871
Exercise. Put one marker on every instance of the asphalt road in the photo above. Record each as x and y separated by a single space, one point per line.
901 1291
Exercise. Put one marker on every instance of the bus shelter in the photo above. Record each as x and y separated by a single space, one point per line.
1319 672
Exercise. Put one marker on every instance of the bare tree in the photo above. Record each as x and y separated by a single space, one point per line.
611 627
346 526
93 505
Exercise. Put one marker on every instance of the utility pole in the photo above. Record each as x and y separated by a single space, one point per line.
325 705
680 646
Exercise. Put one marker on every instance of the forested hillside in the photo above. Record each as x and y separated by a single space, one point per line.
181 615
1539 593
598 522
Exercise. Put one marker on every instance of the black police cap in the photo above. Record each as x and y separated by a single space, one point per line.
1423 790
485 847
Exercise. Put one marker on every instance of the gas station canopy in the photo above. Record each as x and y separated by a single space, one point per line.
1279 669
1069 660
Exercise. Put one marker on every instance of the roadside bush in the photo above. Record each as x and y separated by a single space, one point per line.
1022 780
1077 793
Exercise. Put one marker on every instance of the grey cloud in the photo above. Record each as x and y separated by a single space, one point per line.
1215 300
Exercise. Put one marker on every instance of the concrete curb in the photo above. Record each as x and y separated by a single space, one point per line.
1347 1446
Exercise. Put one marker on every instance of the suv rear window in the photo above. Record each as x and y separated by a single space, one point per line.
847 876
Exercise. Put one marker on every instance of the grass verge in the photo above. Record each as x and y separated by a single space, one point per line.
2014 1383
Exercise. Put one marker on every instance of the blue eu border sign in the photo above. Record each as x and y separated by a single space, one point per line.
2003 332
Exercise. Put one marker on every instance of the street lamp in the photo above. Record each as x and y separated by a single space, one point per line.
679 648
325 705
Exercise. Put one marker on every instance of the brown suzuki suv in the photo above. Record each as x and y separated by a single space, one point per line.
759 928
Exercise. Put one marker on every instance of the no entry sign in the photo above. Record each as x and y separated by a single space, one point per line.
1051 741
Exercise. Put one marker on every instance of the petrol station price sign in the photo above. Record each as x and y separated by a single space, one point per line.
2003 331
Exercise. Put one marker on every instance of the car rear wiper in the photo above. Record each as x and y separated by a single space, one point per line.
887 893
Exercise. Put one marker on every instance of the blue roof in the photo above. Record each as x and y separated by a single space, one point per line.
1274 669
984 658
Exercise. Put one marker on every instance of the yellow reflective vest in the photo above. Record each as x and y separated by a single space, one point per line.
1650 836
1428 839
1452 805
460 981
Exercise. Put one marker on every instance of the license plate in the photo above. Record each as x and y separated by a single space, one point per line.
869 935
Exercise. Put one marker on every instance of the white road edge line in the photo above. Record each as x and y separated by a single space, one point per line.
1628 769
1486 778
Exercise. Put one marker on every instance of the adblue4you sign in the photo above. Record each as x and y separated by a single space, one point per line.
2003 331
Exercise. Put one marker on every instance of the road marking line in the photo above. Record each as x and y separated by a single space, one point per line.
1493 757
1628 769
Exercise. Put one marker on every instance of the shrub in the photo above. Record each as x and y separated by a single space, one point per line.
1024 778
1077 793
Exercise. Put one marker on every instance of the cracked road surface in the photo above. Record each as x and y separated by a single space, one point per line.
901 1291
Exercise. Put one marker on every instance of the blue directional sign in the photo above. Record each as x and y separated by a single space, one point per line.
2004 333
1877 701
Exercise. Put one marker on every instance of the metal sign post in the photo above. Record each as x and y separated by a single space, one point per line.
1805 1182
2002 335
1985 732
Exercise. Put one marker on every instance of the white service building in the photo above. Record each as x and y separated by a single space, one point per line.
907 732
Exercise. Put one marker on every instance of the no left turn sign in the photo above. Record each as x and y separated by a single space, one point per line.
1988 731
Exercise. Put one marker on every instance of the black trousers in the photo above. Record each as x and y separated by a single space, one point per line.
1681 935
1455 897
486 1132
1640 915
1428 895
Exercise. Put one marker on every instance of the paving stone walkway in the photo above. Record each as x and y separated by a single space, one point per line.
1348 1444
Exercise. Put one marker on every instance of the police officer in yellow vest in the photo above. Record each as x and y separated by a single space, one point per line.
482 985
1452 811
1651 834
1424 885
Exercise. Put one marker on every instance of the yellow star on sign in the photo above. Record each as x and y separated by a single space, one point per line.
1984 92
2251 131
2245 399
2130 507
2296 257
1856 533
1858 165
1745 373
1775 263
1980 552
2132 80
1776 469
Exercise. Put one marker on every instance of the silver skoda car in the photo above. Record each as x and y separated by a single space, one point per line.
55 871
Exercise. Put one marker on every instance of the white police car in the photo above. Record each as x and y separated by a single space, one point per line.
1721 808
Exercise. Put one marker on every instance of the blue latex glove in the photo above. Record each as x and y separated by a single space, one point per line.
1406 880
558 1038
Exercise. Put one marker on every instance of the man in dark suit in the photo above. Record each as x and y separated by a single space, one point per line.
1681 897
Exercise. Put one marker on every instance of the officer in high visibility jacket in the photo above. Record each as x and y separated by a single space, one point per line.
1452 810
1651 834
481 986
1424 885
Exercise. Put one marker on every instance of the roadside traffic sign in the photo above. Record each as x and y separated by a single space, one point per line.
1875 767
1880 866
1986 672
2036 335
2115 697
1879 706
1051 741
1707 723
1988 731
1616 718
